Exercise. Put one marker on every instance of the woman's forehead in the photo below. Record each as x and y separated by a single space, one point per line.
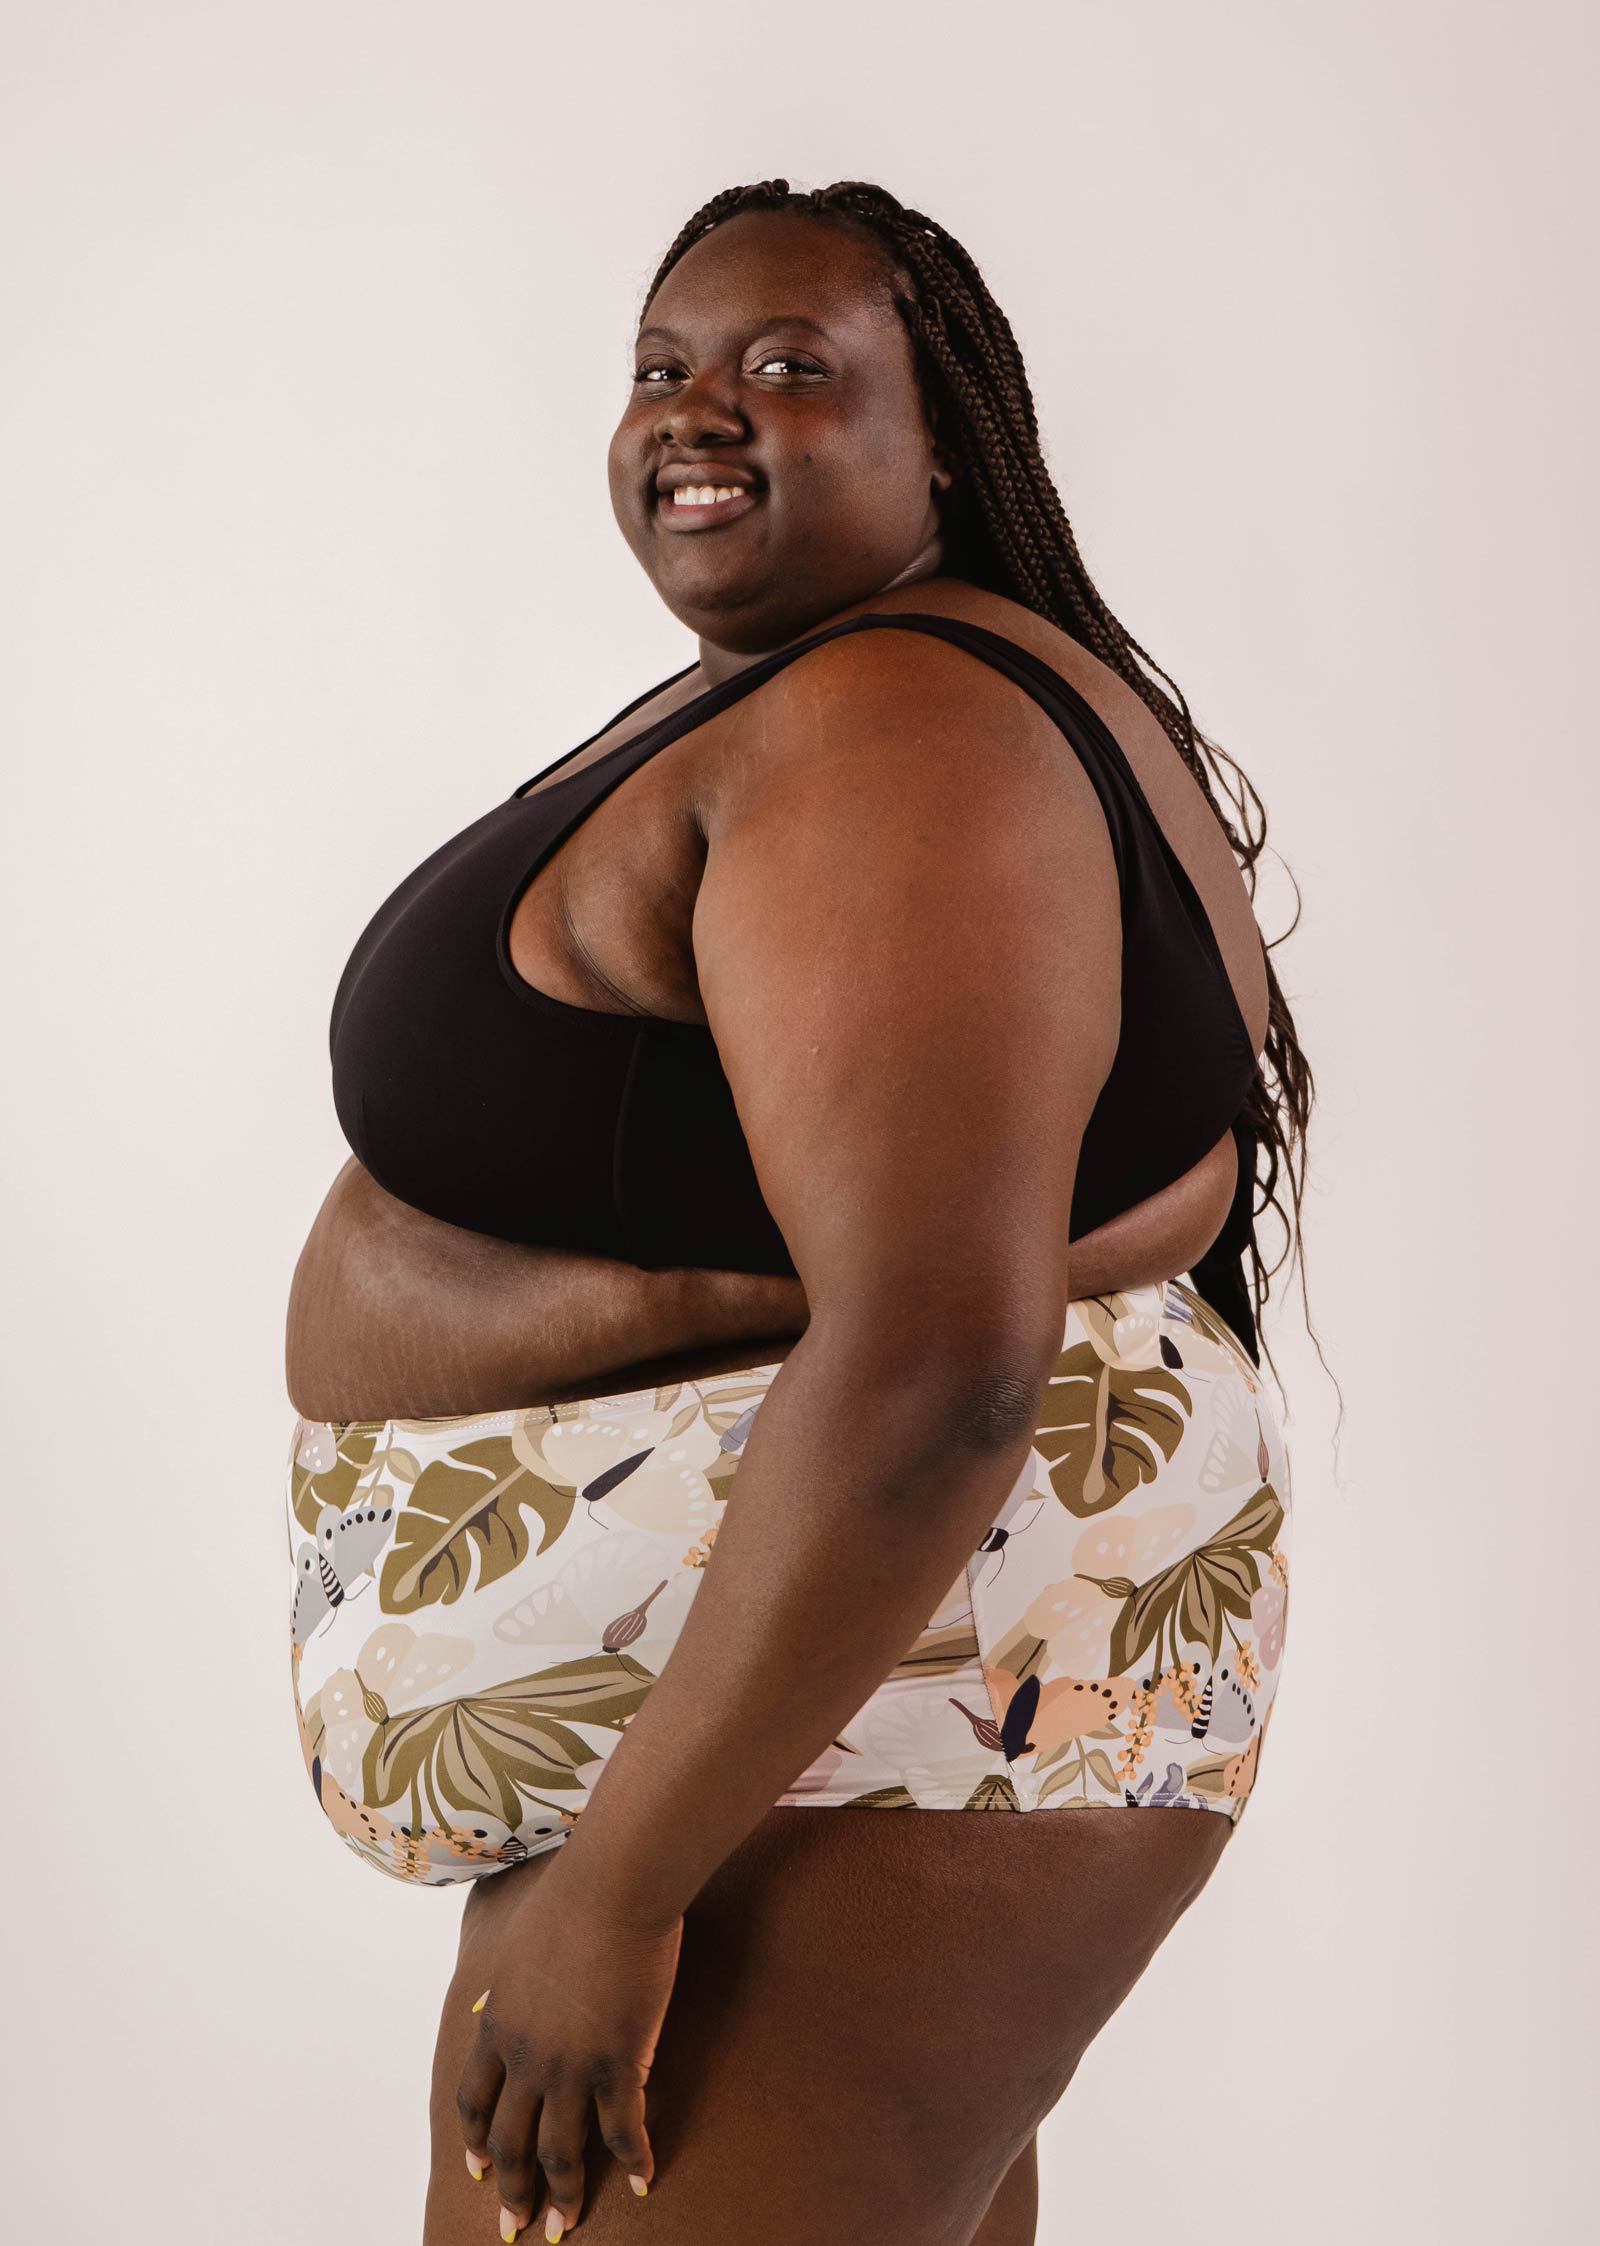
790 269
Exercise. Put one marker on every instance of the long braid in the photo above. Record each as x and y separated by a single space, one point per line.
1005 529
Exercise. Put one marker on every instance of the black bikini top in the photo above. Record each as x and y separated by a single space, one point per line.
471 1095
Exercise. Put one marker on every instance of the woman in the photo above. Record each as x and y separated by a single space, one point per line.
725 1119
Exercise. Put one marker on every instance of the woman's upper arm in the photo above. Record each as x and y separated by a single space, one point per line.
908 944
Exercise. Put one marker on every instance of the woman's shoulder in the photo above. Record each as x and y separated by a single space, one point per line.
1011 620
903 724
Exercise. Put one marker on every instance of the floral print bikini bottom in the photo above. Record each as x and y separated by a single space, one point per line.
481 1603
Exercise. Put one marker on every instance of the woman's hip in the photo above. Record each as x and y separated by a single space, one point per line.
481 1602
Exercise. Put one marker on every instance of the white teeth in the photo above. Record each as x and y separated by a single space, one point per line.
703 495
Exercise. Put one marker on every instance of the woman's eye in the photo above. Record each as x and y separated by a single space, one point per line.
656 376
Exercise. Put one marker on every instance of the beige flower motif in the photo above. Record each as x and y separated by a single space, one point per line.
394 1668
315 1446
1135 1550
932 1745
1128 1331
1268 1606
1238 1452
648 1468
1074 1618
1125 1328
609 1575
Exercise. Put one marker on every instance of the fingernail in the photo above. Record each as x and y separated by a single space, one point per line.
508 2225
482 2001
555 2223
639 2185
474 2169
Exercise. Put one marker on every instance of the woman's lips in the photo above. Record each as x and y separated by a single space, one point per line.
703 514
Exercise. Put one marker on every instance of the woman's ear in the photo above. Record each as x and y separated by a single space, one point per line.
946 466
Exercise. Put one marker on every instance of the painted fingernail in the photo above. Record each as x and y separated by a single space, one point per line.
639 2185
555 2223
482 2001
508 2225
475 2168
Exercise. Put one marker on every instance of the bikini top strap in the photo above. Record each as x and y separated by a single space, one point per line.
626 710
1120 796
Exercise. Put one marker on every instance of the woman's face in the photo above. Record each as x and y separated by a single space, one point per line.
772 360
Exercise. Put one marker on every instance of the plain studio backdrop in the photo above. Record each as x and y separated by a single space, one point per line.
316 323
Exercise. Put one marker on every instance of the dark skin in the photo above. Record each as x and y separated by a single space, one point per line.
916 1131
393 1313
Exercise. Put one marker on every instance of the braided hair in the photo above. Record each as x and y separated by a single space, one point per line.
1003 527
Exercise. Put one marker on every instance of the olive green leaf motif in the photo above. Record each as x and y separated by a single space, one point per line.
474 1500
1195 1593
1075 1763
994 1791
481 1754
330 1458
945 1650
1105 1429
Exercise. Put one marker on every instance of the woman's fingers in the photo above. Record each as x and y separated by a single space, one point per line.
569 2023
622 2130
476 2097
511 2149
517 2153
563 2126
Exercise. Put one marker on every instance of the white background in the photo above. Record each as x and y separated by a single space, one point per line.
315 325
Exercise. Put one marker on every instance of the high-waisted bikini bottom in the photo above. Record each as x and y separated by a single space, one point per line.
481 1603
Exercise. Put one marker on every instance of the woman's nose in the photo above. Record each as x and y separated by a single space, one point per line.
702 408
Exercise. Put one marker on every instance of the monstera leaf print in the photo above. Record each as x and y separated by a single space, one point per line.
473 1501
1105 1428
482 1753
1219 1578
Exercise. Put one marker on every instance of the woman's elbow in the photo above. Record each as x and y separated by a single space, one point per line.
963 1379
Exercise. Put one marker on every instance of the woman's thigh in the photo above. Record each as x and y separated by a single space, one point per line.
873 2013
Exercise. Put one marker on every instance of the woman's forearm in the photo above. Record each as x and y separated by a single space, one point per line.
865 1486
392 1311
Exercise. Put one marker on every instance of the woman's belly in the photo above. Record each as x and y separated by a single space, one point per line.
393 1314
396 1315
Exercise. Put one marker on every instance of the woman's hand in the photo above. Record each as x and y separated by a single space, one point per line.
576 1996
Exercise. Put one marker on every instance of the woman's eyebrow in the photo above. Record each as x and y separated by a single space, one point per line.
773 320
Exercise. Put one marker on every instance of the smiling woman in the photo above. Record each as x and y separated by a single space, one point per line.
839 492
784 1344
